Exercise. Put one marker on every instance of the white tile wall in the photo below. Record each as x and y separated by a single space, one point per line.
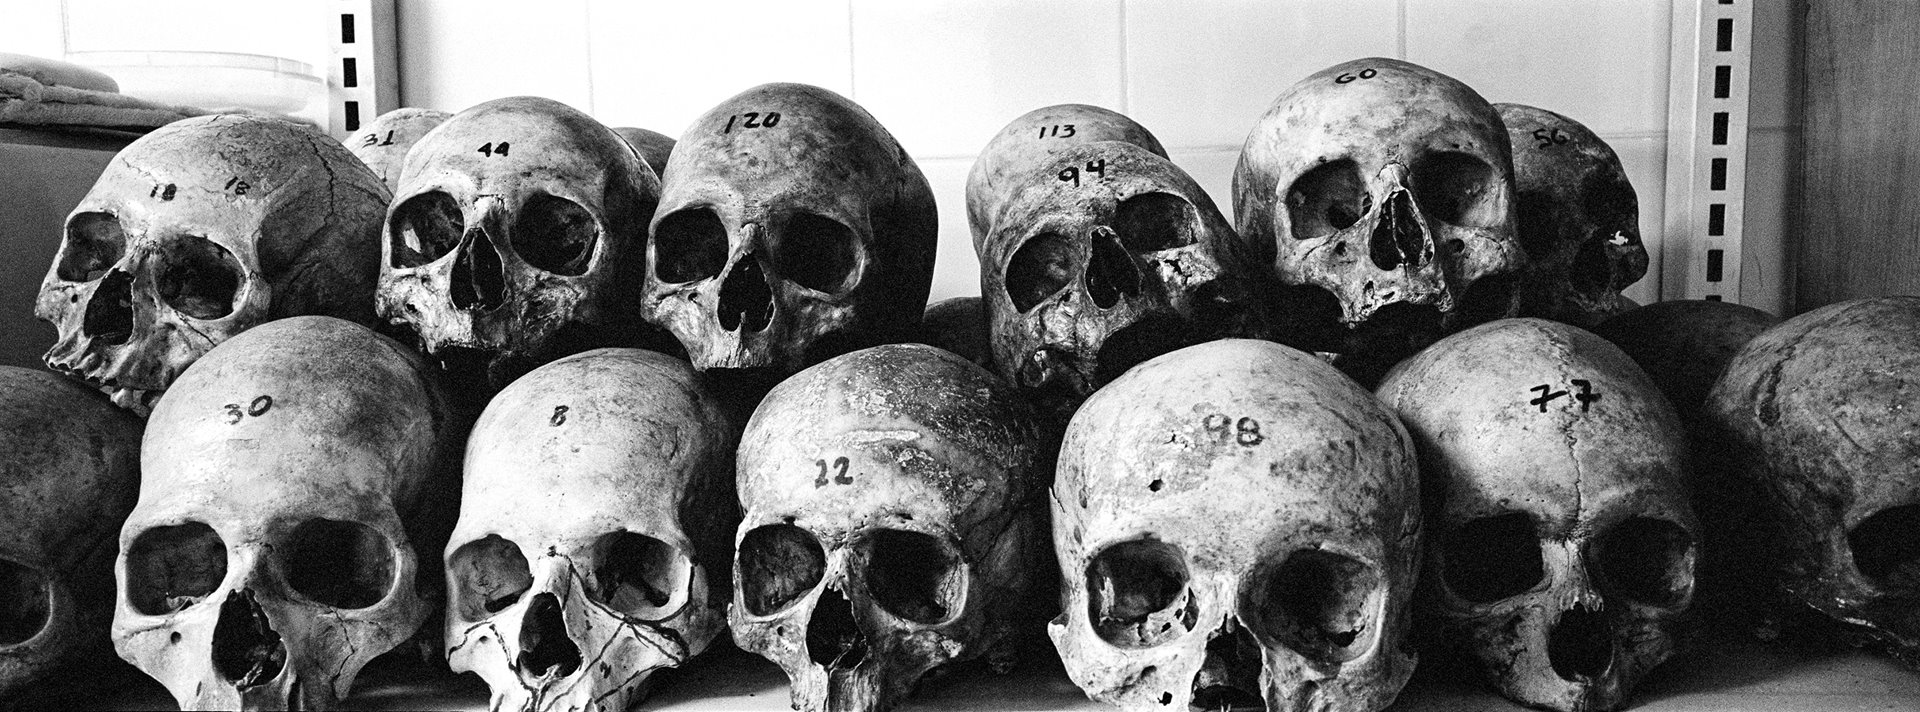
660 65
33 27
457 53
957 272
1200 73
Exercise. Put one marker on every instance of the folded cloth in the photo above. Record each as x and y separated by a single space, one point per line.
26 101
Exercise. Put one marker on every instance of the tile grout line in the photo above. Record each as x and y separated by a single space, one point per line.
852 89
1126 97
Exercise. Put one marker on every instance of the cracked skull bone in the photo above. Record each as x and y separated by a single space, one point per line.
1563 540
69 473
1382 193
892 517
202 229
516 237
1237 523
1101 256
593 546
1578 218
792 227
288 482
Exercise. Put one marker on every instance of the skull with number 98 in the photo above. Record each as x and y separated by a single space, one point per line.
1237 523
893 516
1564 538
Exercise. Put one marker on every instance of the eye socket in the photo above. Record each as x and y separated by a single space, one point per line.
26 602
1318 603
915 576
95 242
1492 558
1886 547
1039 269
1137 594
556 235
198 277
816 252
1607 197
1151 222
688 245
424 229
640 576
779 563
1328 199
489 575
1647 560
1458 189
338 564
172 567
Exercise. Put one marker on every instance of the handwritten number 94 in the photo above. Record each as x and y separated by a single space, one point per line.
1072 173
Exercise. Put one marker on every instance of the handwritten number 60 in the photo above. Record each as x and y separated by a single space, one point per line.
1346 78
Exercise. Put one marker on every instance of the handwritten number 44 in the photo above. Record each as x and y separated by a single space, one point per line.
494 149
1072 173
1585 397
840 476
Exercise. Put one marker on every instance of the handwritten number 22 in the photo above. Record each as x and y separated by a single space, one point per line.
840 476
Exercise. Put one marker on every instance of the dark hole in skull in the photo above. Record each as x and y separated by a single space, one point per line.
816 252
246 649
1151 222
26 598
914 576
1111 274
169 568
1398 237
109 315
1492 558
1151 336
479 276
1229 678
778 564
338 564
1647 560
1580 648
1458 189
1317 602
1609 201
1592 268
639 575
545 647
95 242
1040 268
198 277
834 639
688 245
489 575
1537 221
746 301
555 234
1328 199
1886 548
424 228
1488 298
1137 594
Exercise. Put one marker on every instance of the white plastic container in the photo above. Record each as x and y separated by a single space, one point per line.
211 80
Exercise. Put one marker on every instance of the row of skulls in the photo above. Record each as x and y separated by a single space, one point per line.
887 513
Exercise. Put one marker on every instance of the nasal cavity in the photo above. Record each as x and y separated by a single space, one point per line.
109 316
1580 648
834 640
246 648
544 646
1229 678
746 302
1398 237
478 277
1111 275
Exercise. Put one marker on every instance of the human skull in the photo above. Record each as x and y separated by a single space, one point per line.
1816 418
198 231
515 238
1577 216
288 480
595 532
959 325
1685 345
1025 143
1563 539
1236 523
1103 255
653 146
69 472
792 227
892 519
1381 191
382 144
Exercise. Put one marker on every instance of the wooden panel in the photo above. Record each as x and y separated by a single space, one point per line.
1859 215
